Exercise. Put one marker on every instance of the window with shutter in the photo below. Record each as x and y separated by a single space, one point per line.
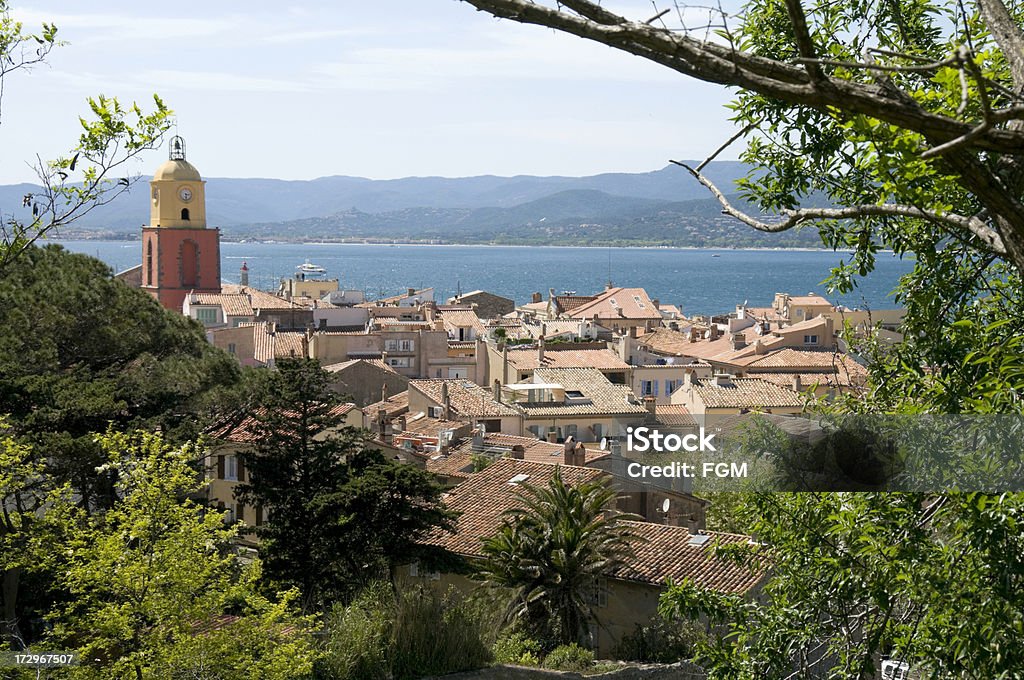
220 467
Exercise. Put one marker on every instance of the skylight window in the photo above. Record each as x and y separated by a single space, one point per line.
574 394
699 540
519 479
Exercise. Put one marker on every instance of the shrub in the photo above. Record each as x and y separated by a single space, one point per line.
405 634
517 649
662 642
569 658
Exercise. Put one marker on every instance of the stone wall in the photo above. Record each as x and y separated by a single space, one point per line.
677 671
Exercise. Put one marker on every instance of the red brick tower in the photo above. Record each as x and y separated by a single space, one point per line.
179 253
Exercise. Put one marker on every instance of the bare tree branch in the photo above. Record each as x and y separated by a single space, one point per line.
792 218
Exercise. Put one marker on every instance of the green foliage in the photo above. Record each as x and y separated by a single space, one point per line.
957 357
515 648
550 553
408 633
87 177
664 641
857 576
154 589
341 515
569 657
80 351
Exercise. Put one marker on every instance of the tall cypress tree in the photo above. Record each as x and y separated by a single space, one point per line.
339 514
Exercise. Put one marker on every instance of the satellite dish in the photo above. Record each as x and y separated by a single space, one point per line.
604 443
665 505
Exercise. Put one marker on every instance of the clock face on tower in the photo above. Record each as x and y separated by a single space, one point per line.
185 194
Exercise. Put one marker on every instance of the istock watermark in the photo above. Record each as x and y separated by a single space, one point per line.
648 440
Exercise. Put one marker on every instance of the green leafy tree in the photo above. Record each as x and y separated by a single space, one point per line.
80 351
155 590
550 552
95 171
340 514
32 507
937 582
908 118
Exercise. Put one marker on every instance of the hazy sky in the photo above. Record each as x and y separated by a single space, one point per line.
407 87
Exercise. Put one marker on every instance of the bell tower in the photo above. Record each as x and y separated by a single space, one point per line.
179 253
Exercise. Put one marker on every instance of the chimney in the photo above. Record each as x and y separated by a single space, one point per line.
714 332
739 341
478 438
759 347
569 451
400 423
656 303
518 452
540 350
412 291
446 402
388 436
632 332
722 380
536 297
378 422
797 386
651 404
552 436
497 391
243 279
580 455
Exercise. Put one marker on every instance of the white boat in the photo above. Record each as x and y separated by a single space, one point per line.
308 267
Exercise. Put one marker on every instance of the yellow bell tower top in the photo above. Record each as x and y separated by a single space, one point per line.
178 192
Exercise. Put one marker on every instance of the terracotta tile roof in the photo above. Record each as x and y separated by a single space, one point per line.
829 379
810 360
536 450
745 393
245 430
567 303
666 552
673 415
393 299
393 406
598 395
457 464
233 305
812 299
662 552
633 303
376 363
553 328
461 318
430 427
467 398
601 359
484 496
276 345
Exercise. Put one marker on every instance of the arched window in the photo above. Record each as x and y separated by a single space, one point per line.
188 262
149 263
184 213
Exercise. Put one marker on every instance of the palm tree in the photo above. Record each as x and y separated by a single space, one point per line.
551 551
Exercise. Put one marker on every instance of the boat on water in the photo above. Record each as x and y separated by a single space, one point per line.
308 267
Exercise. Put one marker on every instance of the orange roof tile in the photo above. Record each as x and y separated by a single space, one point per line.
661 552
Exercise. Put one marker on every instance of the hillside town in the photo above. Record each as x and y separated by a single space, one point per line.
486 392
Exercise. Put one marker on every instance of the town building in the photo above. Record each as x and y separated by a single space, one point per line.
626 596
486 305
180 254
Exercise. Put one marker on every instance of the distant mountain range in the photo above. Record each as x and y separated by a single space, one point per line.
664 207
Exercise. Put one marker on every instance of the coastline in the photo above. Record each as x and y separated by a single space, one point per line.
232 242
